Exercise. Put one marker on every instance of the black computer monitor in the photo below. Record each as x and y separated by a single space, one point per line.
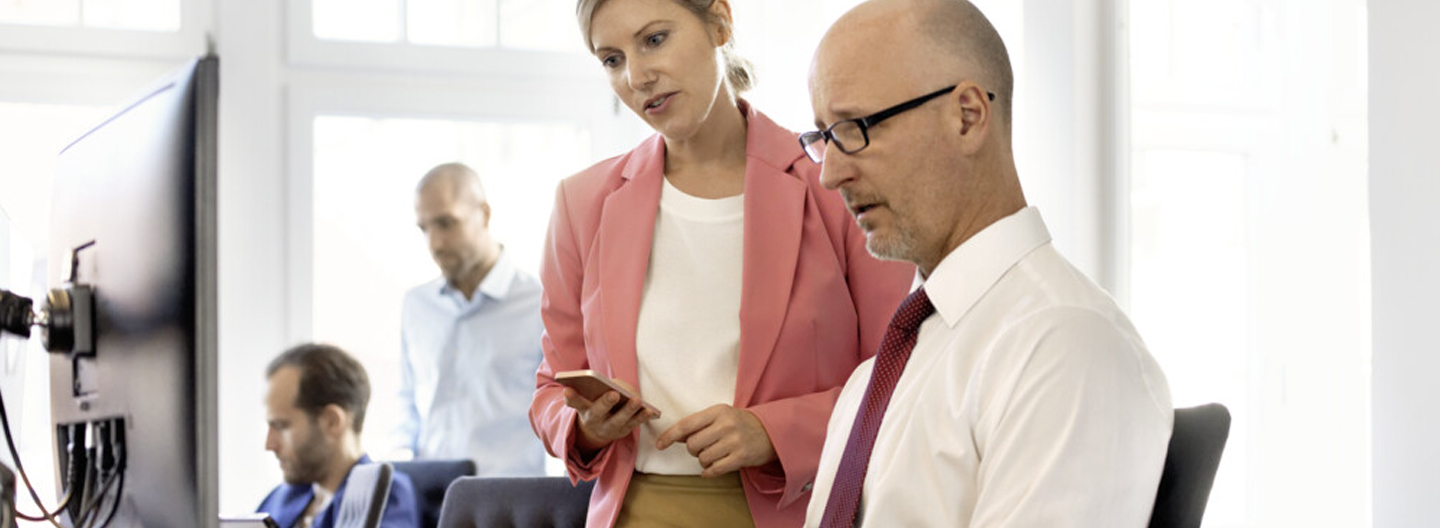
133 241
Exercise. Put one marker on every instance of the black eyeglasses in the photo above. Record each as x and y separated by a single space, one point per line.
853 135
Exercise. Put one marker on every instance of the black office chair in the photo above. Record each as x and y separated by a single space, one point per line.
477 502
431 479
366 489
1190 464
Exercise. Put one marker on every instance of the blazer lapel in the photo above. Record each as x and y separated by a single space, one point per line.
774 218
627 227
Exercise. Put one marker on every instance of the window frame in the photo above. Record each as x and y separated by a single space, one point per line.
192 39
304 49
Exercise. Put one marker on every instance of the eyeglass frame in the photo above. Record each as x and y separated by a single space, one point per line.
864 123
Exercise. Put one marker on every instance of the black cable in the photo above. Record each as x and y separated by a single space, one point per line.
77 478
15 455
91 508
112 463
119 494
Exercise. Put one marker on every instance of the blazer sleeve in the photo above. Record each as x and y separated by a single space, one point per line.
797 426
562 345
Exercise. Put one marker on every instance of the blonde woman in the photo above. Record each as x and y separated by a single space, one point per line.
709 270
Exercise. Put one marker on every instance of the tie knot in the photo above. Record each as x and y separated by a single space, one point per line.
913 311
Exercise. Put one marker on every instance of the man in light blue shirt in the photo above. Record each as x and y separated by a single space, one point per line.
470 340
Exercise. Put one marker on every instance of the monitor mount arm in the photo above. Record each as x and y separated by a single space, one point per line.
67 320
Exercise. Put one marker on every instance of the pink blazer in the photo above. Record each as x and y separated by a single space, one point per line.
813 305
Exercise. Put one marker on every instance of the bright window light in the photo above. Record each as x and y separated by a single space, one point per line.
358 20
141 15
40 12
540 25
452 22
1248 243
138 15
546 25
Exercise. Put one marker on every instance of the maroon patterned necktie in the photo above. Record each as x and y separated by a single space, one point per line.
889 363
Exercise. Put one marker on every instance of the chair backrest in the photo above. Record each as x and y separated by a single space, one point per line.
366 489
478 502
432 478
1190 464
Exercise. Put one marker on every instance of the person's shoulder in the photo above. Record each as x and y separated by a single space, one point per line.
421 292
604 174
283 495
401 484
401 509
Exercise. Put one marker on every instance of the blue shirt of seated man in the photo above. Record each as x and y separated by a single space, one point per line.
286 504
315 410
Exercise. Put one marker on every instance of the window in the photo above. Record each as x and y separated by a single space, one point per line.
1248 246
513 24
109 28
500 38
142 15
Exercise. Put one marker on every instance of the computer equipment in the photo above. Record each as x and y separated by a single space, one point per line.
130 316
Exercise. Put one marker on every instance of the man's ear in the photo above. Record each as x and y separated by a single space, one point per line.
971 116
333 420
485 208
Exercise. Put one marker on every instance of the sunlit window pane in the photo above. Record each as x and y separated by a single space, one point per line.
367 250
547 25
451 22
358 20
40 12
1198 52
143 15
1190 289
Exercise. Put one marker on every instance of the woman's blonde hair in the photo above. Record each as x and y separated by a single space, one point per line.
739 73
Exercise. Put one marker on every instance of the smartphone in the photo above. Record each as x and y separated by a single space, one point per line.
592 385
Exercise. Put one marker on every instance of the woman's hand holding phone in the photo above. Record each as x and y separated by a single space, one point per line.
609 416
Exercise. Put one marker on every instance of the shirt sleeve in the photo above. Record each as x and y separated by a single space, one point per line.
1072 431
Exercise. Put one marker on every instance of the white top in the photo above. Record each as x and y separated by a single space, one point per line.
687 339
1028 401
318 503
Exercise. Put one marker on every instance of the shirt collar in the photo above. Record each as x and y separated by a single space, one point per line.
495 285
963 276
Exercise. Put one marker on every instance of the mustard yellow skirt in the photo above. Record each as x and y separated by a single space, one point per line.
684 501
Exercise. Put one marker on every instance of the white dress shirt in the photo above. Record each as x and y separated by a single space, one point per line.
467 371
687 337
1028 401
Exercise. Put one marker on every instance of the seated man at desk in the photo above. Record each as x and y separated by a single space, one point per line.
315 409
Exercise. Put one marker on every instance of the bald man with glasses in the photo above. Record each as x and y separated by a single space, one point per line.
1008 390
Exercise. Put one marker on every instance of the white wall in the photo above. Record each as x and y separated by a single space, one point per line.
1405 252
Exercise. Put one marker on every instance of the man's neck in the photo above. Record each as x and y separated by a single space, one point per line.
471 282
995 205
340 466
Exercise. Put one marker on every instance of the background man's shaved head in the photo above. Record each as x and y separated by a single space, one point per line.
455 180
956 42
